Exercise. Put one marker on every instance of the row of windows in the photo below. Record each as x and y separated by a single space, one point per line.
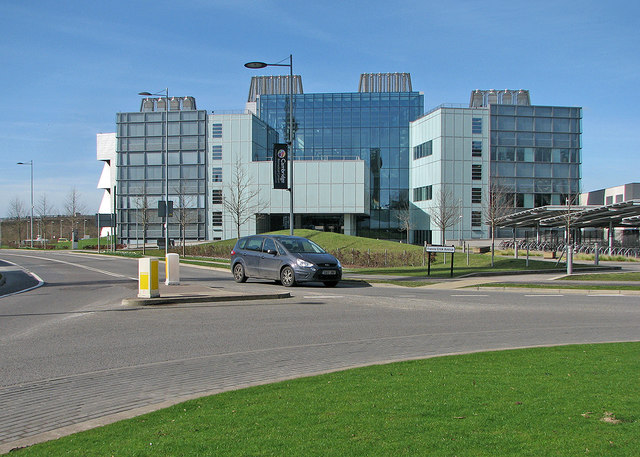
422 193
476 125
216 174
476 171
158 128
476 195
158 116
537 170
558 140
156 187
538 111
157 172
511 154
216 152
476 218
216 219
476 148
535 124
157 143
157 158
423 150
540 185
343 100
216 130
216 196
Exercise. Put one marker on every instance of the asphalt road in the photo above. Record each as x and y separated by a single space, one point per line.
72 356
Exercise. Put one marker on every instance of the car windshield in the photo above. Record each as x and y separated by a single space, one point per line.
301 245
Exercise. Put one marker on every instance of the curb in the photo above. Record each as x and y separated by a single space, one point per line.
171 300
555 290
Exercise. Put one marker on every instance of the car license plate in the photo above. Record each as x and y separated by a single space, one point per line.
329 272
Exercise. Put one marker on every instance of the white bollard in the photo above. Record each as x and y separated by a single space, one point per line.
148 278
172 272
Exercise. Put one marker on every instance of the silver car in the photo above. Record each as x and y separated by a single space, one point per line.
287 259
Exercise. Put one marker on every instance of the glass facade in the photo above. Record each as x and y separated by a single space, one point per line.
140 160
535 153
371 126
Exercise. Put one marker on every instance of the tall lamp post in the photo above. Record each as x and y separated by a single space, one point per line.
30 162
255 66
165 93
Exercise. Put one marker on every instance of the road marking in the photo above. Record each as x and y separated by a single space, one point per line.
607 295
468 295
85 267
544 295
323 296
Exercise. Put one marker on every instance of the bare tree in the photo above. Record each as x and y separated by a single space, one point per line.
73 207
17 212
44 209
242 200
144 216
185 213
498 204
404 218
445 210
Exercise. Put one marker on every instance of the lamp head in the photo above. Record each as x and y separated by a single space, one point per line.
255 65
145 93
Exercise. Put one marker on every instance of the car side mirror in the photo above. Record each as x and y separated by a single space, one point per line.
272 251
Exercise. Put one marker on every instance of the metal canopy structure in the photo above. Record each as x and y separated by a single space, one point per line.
623 214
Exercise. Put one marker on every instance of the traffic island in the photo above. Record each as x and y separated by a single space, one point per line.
201 298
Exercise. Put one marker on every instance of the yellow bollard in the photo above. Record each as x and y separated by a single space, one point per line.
148 278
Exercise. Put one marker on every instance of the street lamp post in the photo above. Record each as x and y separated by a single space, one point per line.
166 167
257 65
30 162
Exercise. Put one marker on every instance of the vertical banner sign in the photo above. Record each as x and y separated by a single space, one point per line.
280 169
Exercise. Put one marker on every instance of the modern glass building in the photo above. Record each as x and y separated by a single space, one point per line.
370 126
140 162
362 160
531 153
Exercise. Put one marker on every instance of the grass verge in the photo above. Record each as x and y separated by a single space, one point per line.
571 400
557 286
628 276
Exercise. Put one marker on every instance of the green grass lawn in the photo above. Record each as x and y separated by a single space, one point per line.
628 276
561 401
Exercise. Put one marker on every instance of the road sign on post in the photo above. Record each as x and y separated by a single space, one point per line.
444 250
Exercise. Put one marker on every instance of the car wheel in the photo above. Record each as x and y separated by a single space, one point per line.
330 283
287 277
238 273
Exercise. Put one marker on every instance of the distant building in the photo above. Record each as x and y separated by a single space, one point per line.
362 160
611 195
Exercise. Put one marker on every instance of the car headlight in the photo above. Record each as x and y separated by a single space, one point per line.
304 263
339 264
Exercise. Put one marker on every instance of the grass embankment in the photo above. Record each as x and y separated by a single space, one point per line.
558 286
571 400
629 276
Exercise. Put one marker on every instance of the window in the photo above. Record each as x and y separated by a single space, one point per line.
216 196
216 219
422 150
476 148
476 172
476 125
216 152
476 218
216 174
422 193
216 130
609 200
476 195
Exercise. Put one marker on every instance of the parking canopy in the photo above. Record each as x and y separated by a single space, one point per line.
623 214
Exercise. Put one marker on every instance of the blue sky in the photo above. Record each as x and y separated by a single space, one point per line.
69 66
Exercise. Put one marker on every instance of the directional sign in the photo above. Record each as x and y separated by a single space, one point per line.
440 248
